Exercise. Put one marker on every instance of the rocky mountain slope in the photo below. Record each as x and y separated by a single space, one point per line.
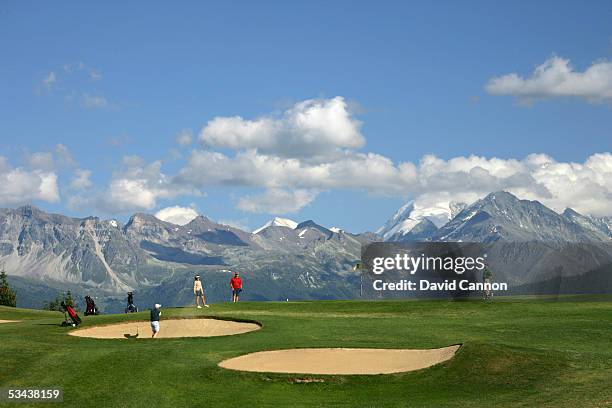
149 256
502 216
529 246
46 253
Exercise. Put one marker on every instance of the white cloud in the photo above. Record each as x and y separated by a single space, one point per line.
184 138
81 180
277 201
21 186
557 78
49 80
310 128
290 182
93 101
177 215
48 161
371 172
586 187
41 161
137 186
433 182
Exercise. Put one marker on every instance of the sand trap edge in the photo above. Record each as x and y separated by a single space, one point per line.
147 322
457 348
9 321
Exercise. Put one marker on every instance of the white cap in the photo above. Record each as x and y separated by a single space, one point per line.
157 305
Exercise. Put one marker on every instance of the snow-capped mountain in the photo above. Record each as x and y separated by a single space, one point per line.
413 222
498 216
45 253
502 216
306 234
399 222
277 222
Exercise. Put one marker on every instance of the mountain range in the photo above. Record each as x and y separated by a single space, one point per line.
44 253
47 253
531 247
498 216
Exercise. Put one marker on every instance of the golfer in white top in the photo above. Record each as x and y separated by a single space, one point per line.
198 291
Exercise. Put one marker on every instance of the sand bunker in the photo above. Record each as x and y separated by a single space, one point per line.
9 321
339 360
169 329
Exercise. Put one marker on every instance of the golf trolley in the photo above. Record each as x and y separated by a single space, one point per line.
91 307
71 318
131 307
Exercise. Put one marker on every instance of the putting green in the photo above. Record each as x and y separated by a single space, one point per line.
343 361
204 327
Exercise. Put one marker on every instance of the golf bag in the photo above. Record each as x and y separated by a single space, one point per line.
71 318
91 307
131 307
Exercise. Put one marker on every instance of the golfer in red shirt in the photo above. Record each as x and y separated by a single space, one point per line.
236 285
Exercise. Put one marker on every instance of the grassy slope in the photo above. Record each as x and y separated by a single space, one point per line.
516 353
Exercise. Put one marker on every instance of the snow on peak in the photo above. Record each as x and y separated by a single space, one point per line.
455 208
277 222
177 215
412 213
336 230
393 222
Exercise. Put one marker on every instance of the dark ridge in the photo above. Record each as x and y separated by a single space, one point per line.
170 254
222 237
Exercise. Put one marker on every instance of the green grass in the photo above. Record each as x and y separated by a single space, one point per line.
516 353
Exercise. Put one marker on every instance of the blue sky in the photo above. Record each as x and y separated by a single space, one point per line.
111 80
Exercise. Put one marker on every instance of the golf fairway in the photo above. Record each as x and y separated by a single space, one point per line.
515 353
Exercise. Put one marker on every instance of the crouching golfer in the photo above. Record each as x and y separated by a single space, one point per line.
155 314
236 285
198 291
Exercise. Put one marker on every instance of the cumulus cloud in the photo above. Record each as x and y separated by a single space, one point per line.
264 157
21 186
41 161
586 187
177 215
256 159
433 182
557 78
277 201
310 128
58 159
137 186
370 171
